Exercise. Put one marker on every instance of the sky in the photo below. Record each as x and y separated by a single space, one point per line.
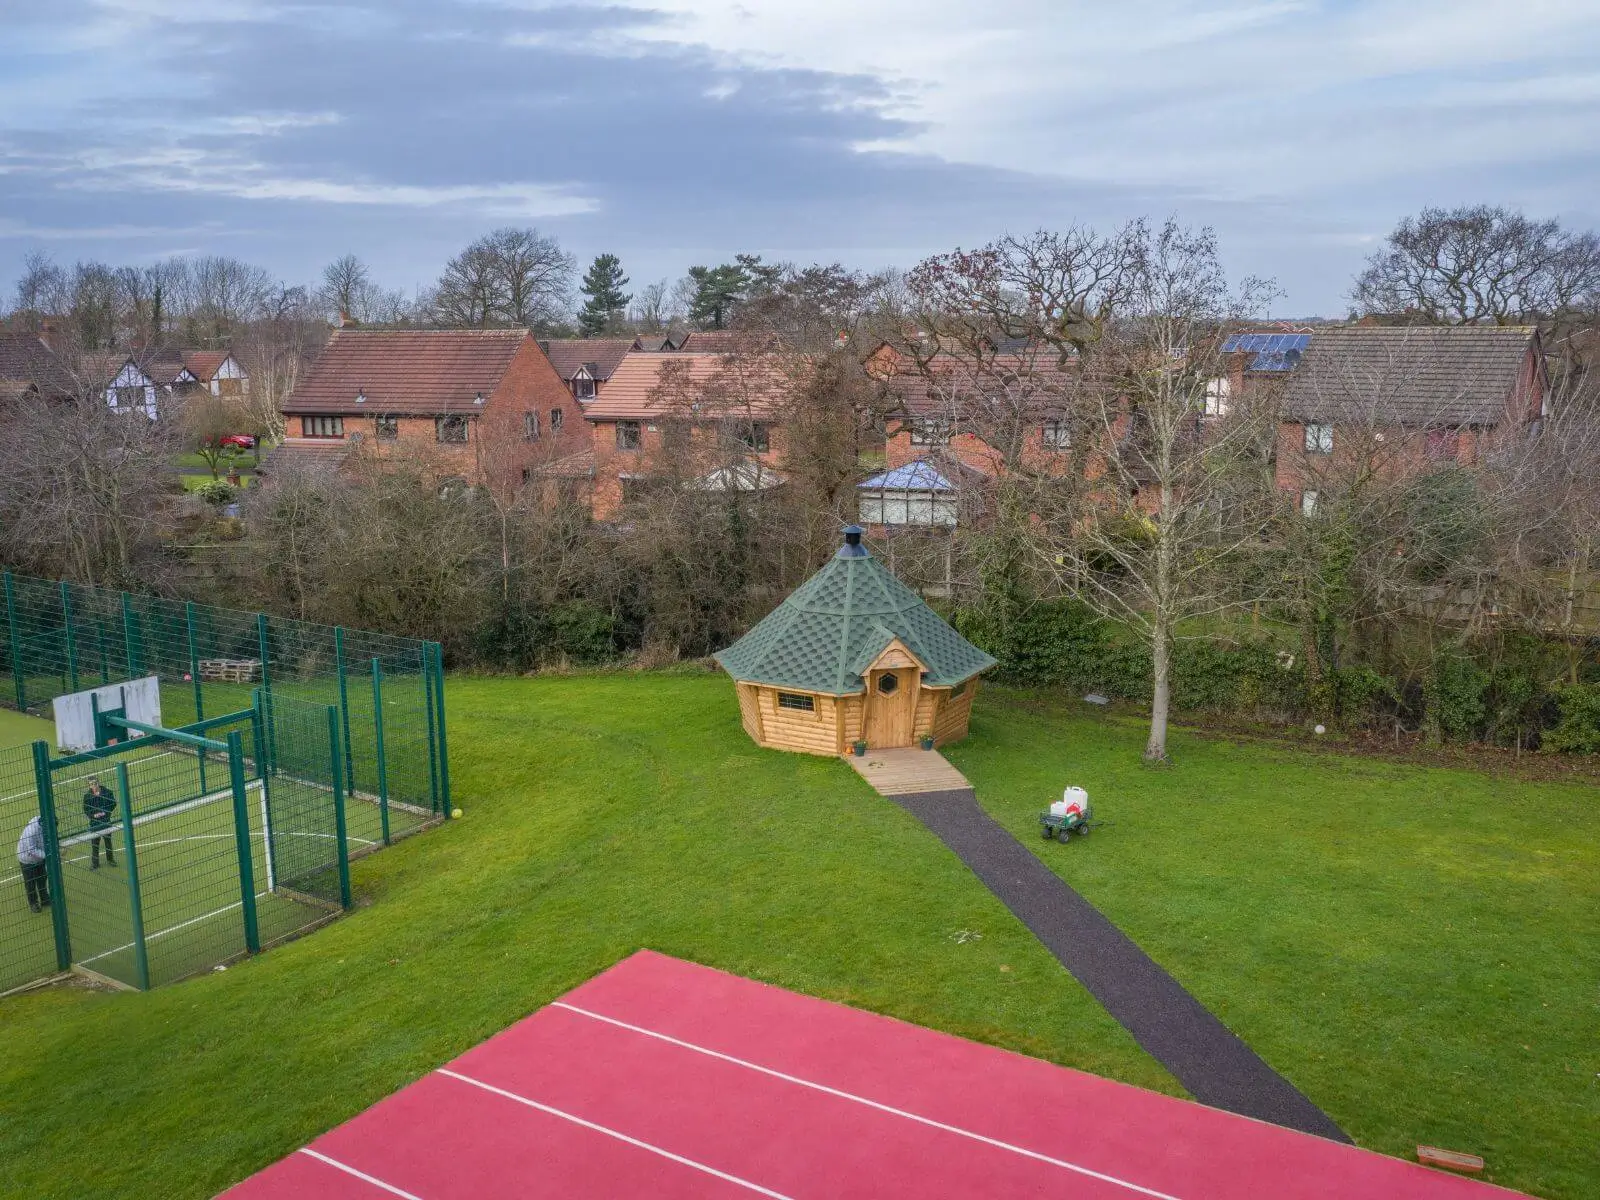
872 132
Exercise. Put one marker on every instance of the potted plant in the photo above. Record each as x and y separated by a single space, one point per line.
860 747
927 741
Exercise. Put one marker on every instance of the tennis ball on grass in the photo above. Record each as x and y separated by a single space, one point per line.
455 812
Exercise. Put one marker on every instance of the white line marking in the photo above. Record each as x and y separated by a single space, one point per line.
150 937
361 1175
898 1112
621 1137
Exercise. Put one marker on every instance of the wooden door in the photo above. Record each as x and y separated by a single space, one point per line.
891 707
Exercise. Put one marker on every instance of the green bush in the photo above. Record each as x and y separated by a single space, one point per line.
217 492
583 632
1578 730
1454 697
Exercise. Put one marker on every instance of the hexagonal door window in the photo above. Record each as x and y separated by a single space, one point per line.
887 683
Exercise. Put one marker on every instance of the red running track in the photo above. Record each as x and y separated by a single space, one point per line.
664 1079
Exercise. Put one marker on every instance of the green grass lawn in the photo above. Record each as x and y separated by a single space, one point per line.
1394 963
18 729
1416 948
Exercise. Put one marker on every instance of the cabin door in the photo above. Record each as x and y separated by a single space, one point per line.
891 707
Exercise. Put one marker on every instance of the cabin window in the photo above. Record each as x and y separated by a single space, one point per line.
322 427
530 426
958 689
450 429
888 683
387 428
628 435
796 701
1319 439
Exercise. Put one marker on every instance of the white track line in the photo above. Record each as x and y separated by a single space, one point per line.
898 1112
361 1175
621 1137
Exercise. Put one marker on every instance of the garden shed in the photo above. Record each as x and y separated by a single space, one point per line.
853 653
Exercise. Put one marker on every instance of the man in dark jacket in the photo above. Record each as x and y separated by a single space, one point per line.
99 802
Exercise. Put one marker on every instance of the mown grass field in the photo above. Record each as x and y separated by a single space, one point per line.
1395 964
19 729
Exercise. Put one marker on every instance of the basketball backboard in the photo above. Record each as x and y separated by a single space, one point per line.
135 699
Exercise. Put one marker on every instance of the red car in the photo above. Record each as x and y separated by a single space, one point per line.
239 441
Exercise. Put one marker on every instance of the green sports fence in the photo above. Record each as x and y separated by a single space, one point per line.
285 749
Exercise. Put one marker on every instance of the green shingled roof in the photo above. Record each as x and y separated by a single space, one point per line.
828 632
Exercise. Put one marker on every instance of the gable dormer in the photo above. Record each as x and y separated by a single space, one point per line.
584 381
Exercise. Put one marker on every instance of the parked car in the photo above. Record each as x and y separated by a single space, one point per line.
239 441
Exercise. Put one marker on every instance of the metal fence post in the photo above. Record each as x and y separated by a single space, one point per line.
141 953
433 744
52 843
377 733
194 663
241 836
17 678
444 741
264 647
344 708
72 641
129 636
105 657
338 806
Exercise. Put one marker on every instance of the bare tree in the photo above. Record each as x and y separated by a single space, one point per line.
84 489
1481 265
1165 521
42 289
652 310
346 288
508 277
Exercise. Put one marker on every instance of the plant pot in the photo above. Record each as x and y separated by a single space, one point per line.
927 743
860 749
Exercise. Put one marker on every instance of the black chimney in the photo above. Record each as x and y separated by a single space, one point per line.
852 547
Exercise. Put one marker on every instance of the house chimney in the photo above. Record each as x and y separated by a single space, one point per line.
852 547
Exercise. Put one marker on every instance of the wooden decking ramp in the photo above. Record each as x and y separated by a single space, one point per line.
906 771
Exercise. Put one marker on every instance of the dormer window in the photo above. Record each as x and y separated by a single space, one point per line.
361 396
583 386
478 399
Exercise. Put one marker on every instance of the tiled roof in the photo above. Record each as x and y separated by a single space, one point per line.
827 633
1454 375
204 364
420 371
726 341
603 355
648 385
301 454
25 361
947 385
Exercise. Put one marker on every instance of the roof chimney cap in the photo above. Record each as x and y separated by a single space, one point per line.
852 547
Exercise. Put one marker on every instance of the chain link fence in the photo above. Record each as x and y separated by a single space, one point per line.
285 748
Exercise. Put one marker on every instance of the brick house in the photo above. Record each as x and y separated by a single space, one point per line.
29 367
1405 397
587 363
482 406
715 415
182 373
958 423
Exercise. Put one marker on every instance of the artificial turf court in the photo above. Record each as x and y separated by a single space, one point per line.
663 1078
184 837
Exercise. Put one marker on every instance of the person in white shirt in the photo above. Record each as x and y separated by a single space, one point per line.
31 858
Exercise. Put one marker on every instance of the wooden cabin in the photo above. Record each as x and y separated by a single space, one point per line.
853 654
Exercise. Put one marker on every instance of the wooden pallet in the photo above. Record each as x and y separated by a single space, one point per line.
229 670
